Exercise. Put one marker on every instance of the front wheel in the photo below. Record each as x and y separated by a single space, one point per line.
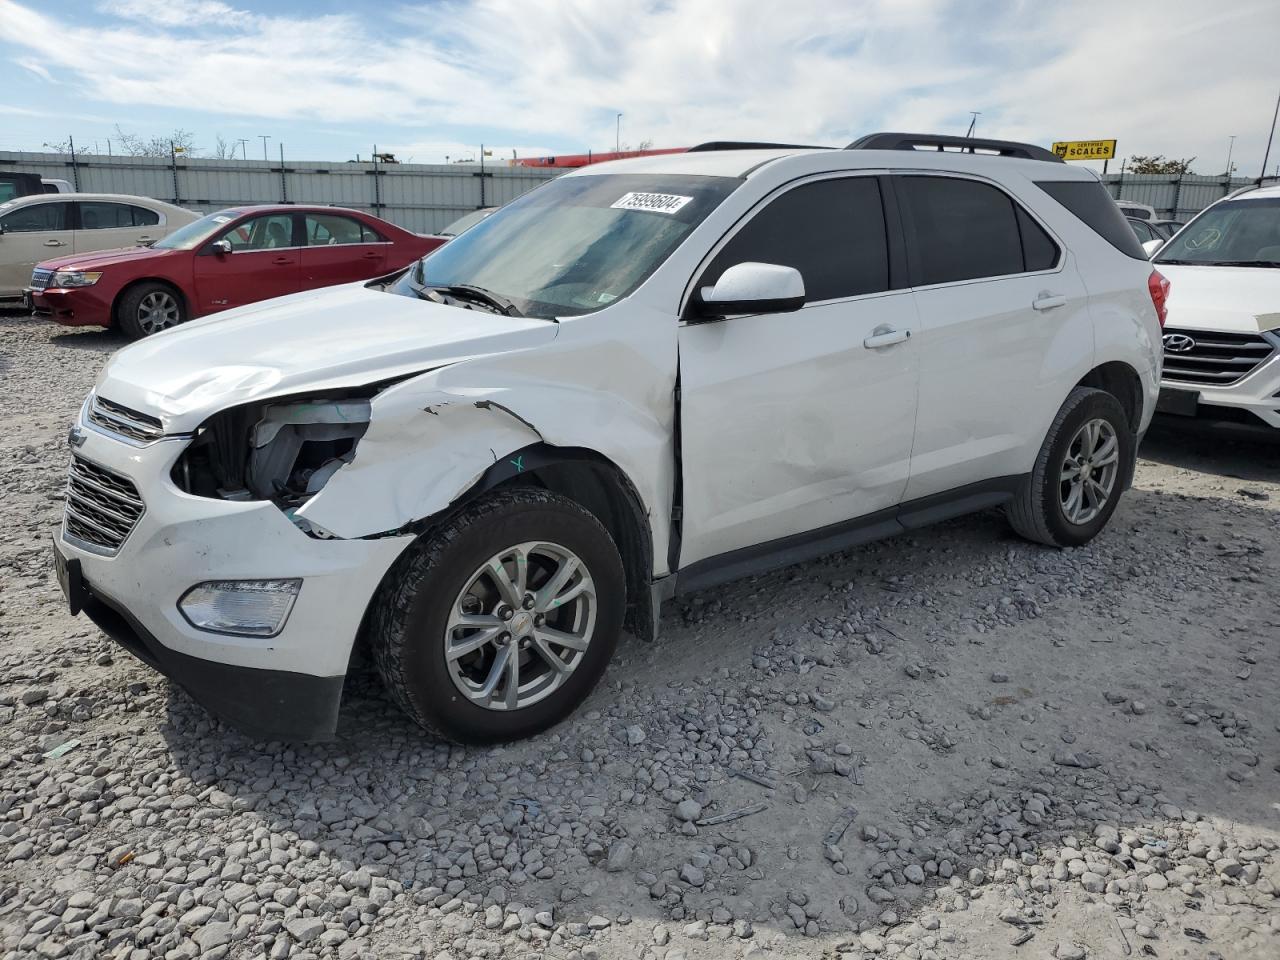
149 308
496 625
1079 474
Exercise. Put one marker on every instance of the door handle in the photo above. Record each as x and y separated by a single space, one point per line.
372 255
885 337
54 243
144 239
1047 301
283 261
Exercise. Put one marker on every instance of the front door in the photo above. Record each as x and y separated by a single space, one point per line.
1004 330
265 261
339 250
794 422
32 232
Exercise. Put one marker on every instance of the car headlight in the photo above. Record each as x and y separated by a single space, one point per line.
244 608
74 278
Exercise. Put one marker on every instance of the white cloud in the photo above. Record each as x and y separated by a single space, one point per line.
1163 76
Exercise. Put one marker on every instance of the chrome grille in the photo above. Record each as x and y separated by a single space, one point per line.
123 422
1213 359
40 278
102 507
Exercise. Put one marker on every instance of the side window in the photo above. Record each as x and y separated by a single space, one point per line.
962 229
1140 230
99 215
370 235
1039 252
261 233
36 218
832 231
324 229
142 217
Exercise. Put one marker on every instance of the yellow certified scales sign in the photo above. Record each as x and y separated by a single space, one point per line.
1085 149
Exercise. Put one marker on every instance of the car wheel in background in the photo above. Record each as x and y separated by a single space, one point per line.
149 308
497 624
1080 473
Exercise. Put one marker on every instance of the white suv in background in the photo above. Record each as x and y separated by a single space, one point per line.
637 381
1222 342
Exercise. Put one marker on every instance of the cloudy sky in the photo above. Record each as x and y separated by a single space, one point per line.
328 78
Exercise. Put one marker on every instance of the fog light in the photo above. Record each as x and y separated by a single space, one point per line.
246 608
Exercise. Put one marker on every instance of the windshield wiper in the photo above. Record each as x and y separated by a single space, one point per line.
468 291
1245 263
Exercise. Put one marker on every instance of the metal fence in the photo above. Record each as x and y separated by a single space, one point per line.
419 197
1173 197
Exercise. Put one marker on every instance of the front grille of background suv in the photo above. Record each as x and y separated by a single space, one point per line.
1216 359
115 419
102 507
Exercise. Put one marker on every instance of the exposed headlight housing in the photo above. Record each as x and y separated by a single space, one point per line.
242 608
74 278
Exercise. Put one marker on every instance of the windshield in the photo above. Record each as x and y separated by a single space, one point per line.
574 245
193 234
463 223
1237 233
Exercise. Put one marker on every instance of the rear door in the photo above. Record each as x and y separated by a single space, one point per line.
265 262
1004 324
32 232
339 249
108 224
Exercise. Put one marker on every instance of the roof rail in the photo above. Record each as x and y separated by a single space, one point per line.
936 141
750 145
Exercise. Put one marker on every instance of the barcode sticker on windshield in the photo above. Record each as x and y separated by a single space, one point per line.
653 202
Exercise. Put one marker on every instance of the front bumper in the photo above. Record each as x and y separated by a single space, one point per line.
286 686
78 307
1250 404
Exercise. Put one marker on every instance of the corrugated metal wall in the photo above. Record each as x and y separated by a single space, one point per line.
1174 198
419 197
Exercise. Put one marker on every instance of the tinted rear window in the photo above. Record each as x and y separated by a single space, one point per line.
962 229
1089 201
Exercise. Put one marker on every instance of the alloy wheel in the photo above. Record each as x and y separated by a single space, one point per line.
520 626
1089 471
158 311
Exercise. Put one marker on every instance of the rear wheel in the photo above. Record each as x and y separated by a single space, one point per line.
498 624
149 308
1079 474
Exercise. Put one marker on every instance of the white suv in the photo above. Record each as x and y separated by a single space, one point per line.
1222 344
637 381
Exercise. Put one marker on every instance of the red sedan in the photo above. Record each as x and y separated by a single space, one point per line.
224 260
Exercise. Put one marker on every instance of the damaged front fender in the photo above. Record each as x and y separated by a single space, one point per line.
430 441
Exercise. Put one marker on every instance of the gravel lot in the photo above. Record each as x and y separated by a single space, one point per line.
950 745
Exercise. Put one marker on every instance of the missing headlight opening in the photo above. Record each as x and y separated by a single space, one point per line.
284 450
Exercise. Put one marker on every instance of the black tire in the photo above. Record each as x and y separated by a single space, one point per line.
1037 511
136 305
408 618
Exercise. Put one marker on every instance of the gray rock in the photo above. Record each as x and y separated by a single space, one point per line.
305 929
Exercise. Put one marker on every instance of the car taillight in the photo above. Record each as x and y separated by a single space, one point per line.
1158 286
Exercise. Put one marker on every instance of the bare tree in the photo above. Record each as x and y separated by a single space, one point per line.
222 150
133 145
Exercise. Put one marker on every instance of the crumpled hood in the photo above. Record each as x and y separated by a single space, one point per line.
1237 299
98 259
322 339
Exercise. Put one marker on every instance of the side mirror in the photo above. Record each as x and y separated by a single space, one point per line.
753 288
1151 246
221 247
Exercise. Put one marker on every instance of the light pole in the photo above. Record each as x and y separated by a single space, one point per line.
974 122
617 143
244 148
1267 155
1231 143
264 140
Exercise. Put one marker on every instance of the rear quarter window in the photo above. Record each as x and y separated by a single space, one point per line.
1089 202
